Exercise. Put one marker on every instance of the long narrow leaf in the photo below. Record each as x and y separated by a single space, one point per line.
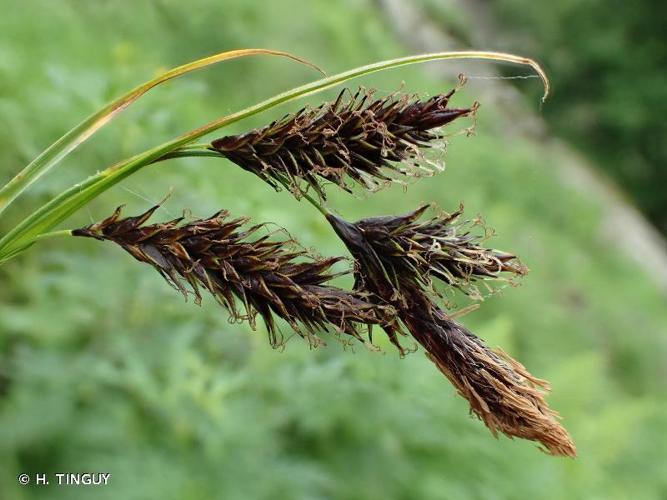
84 130
58 209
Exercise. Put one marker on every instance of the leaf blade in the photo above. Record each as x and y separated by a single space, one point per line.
85 129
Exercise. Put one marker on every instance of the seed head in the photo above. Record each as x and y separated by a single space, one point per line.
396 259
235 264
409 249
501 392
365 140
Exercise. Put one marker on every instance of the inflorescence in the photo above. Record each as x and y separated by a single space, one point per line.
401 262
369 141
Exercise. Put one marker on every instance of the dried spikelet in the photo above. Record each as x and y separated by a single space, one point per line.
362 140
395 265
266 276
501 392
441 246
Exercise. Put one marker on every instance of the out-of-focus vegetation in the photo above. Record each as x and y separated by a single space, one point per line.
104 368
606 62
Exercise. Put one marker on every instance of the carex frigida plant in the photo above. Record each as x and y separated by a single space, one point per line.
404 266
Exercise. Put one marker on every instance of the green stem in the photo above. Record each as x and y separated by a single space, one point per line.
186 153
54 234
308 198
315 203
9 255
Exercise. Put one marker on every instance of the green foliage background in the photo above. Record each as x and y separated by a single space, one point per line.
104 368
606 62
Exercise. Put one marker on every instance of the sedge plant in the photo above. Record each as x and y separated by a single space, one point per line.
402 264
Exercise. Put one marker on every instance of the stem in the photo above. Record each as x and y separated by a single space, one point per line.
53 234
315 203
43 236
198 145
308 198
186 153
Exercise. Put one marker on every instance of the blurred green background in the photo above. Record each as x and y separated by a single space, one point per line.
103 368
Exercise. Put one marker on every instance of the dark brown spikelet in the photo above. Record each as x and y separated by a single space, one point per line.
234 264
501 392
368 141
394 263
441 246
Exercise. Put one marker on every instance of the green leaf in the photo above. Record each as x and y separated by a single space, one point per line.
84 130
